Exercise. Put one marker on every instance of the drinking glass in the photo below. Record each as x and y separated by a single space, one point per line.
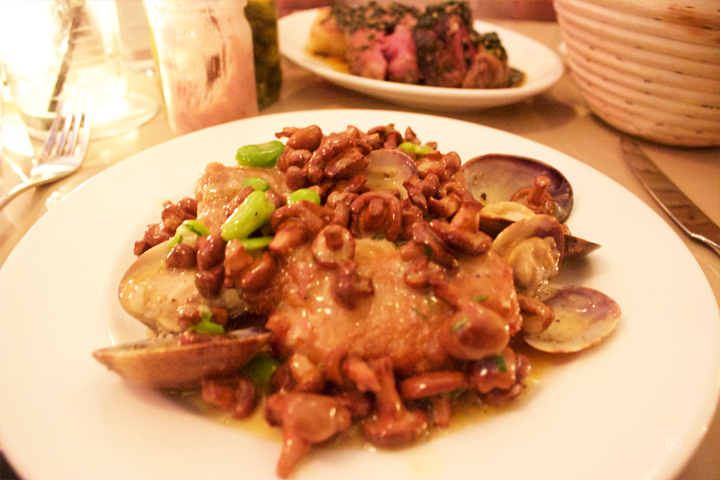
50 46
204 50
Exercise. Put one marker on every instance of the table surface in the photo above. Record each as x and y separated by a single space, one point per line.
558 118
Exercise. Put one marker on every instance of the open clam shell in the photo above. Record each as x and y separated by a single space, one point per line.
534 248
574 247
583 317
151 292
496 178
167 363
388 169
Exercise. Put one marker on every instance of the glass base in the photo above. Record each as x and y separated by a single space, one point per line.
109 120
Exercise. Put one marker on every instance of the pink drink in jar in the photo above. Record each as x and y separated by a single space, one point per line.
204 52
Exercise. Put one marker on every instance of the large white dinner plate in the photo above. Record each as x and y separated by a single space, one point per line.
616 411
541 66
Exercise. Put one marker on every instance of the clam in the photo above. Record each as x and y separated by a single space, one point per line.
387 170
505 183
496 217
583 317
168 362
152 292
497 178
534 247
574 247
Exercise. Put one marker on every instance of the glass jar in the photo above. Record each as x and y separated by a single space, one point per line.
204 51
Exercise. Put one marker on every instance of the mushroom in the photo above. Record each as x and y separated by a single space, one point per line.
536 315
236 394
436 387
433 246
493 372
394 425
499 378
306 418
298 374
474 332
349 287
432 383
332 246
376 213
462 232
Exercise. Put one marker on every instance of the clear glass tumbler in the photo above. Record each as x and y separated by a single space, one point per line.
50 46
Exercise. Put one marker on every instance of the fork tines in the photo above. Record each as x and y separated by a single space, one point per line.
74 112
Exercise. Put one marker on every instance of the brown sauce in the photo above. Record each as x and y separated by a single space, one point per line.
192 401
331 62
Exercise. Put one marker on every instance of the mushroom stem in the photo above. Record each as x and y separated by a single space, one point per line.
538 190
394 425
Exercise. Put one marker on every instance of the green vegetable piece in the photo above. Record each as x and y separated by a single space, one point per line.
257 183
460 324
178 238
420 314
206 324
500 362
256 243
260 369
188 232
304 194
250 215
205 313
418 150
196 227
481 298
263 155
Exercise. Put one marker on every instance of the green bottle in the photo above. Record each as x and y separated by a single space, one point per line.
268 76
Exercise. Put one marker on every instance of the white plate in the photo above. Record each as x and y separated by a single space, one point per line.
614 412
541 66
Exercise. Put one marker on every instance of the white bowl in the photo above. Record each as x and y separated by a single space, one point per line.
648 67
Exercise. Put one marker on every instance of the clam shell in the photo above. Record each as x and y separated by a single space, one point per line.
496 177
388 169
166 363
583 318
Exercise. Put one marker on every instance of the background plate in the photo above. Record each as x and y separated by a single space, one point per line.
607 413
541 66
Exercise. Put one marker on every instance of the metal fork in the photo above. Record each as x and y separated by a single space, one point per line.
65 147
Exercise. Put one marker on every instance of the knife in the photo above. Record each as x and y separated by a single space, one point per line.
676 204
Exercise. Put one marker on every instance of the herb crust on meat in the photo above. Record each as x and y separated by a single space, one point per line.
435 45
